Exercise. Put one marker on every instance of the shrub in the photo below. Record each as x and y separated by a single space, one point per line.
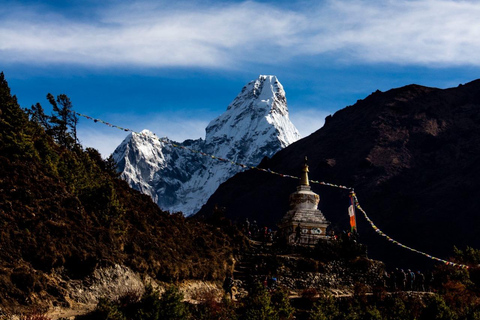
210 308
172 306
437 309
325 308
281 304
105 310
258 305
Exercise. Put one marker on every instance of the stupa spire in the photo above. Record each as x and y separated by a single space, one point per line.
304 180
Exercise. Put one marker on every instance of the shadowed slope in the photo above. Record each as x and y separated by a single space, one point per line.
411 154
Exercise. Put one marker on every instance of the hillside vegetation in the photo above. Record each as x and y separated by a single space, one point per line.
63 209
65 214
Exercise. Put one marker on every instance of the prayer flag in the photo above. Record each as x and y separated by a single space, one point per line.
351 213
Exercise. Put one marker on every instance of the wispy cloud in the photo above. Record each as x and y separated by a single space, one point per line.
146 35
231 35
423 32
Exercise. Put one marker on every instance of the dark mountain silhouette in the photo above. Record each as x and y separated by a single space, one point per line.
413 156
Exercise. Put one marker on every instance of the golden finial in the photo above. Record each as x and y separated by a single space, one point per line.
304 180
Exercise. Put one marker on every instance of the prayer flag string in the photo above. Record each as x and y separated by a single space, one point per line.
354 196
380 232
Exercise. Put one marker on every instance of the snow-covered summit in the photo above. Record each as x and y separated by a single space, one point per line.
255 125
258 116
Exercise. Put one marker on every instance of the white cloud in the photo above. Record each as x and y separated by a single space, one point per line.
149 34
155 37
420 32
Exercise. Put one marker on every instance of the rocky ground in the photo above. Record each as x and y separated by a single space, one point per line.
301 275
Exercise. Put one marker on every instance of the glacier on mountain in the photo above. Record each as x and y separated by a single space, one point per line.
255 125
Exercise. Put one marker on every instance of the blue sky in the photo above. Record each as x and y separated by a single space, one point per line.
173 67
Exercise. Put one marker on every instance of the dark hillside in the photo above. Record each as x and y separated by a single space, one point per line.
412 154
63 210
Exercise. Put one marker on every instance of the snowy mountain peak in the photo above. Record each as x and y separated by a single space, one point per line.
266 92
257 116
255 125
147 132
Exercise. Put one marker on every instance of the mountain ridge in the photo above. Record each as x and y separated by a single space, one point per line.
407 152
255 125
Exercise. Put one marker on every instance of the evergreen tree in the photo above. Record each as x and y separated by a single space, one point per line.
396 308
325 309
258 305
111 166
372 313
64 120
105 310
169 306
281 303
438 310
15 130
172 306
37 115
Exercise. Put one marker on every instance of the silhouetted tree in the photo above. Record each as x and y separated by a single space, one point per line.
37 115
63 120
14 128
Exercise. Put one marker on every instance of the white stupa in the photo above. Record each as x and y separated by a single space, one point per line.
304 224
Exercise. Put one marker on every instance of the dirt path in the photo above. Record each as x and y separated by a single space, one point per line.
69 313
